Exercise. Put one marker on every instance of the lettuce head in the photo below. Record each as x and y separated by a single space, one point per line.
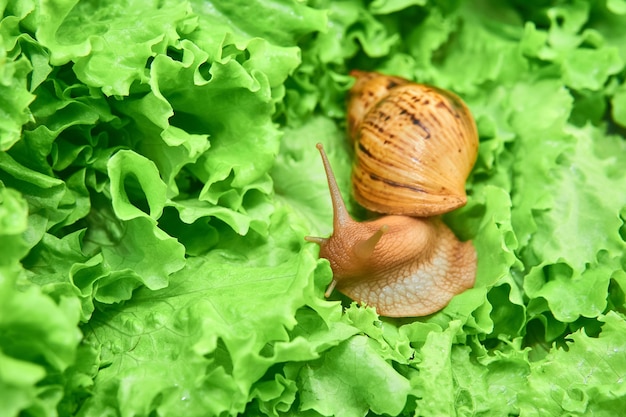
158 174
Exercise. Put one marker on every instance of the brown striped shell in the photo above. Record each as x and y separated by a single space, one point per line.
414 146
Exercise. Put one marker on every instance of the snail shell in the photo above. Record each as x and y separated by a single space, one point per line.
414 146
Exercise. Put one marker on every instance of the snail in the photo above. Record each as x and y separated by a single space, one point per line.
407 263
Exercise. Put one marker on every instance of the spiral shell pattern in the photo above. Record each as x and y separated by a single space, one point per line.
415 146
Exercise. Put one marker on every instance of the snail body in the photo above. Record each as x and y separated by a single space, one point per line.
414 147
404 266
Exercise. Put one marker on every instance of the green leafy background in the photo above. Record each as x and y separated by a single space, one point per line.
158 174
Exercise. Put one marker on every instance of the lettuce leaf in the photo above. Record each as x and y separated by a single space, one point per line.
209 331
595 386
158 173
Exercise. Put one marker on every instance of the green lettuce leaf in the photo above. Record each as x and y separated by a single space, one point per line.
595 370
309 194
38 337
149 27
449 382
339 384
211 331
596 258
